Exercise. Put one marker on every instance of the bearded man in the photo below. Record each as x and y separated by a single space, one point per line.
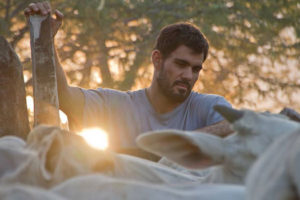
168 103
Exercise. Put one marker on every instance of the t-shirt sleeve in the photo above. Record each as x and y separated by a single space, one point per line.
212 115
110 110
94 107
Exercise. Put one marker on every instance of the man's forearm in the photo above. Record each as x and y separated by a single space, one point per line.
62 84
221 129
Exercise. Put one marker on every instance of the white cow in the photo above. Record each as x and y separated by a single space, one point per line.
276 174
231 156
59 155
94 187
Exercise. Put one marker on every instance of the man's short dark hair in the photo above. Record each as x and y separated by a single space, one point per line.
174 35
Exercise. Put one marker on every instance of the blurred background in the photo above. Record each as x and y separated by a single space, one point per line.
254 56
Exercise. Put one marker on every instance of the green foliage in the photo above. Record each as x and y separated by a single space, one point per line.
254 45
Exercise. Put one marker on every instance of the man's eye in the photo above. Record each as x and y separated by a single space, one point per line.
197 69
181 64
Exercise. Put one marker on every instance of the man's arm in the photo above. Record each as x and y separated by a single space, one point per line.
71 99
221 129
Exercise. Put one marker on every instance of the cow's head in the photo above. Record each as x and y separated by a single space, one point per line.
254 132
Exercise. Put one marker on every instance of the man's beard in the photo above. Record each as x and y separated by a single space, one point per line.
167 88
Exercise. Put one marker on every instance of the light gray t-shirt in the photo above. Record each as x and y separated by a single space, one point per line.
125 115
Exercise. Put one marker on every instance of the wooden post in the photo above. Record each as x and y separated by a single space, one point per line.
46 108
13 110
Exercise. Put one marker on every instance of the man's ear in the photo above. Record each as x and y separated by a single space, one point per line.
189 149
156 59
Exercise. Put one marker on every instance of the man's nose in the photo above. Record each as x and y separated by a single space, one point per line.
187 73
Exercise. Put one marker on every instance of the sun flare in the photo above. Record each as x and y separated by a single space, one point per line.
95 137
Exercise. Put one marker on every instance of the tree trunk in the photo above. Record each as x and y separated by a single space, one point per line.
13 110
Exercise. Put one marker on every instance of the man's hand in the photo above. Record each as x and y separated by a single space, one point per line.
221 129
44 8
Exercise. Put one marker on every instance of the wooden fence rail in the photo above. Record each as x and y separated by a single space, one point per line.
46 108
13 110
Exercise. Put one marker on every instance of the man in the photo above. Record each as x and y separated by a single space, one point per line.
168 103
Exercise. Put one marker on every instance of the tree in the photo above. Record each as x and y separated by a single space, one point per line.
254 45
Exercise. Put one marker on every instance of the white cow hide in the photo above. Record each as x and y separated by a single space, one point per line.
94 187
12 154
10 141
133 168
25 192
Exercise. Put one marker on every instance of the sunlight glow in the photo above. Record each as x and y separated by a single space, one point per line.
29 102
95 137
63 117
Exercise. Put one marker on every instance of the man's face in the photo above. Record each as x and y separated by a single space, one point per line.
179 72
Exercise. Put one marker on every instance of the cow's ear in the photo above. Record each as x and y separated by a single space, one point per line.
47 141
189 149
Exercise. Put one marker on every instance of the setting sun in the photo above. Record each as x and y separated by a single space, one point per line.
95 137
